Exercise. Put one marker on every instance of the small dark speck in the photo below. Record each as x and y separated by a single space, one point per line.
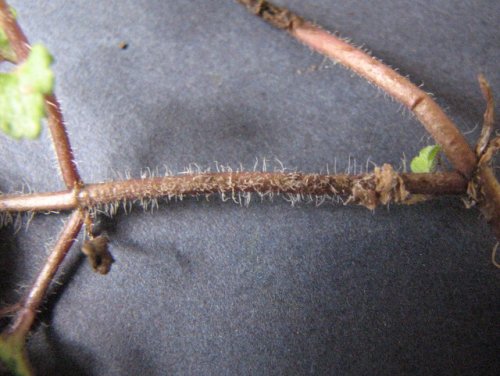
183 260
123 45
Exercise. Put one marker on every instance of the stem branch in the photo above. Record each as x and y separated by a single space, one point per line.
26 315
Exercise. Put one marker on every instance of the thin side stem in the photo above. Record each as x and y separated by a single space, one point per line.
61 142
15 35
449 183
21 48
39 202
26 315
441 128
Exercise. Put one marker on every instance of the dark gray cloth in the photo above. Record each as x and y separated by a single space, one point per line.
212 288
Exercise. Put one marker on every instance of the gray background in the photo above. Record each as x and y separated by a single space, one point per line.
211 288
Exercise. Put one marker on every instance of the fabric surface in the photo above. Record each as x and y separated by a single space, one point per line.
211 288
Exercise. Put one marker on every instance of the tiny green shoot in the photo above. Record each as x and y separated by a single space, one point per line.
426 160
13 355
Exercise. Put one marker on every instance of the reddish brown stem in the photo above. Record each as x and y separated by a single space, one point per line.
450 183
46 201
484 187
21 48
15 35
26 315
488 117
426 110
490 203
420 103
61 142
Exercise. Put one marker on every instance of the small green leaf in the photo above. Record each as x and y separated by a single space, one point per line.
426 160
6 51
22 94
13 356
13 11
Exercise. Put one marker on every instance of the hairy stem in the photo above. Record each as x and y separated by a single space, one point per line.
61 142
420 103
26 315
450 183
21 48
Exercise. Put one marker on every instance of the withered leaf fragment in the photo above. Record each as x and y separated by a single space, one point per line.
98 254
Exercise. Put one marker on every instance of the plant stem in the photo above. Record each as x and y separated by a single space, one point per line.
490 200
488 117
15 35
26 315
39 202
449 183
21 48
61 142
485 189
420 103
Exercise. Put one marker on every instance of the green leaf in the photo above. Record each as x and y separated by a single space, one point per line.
426 160
22 91
13 11
6 51
13 356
